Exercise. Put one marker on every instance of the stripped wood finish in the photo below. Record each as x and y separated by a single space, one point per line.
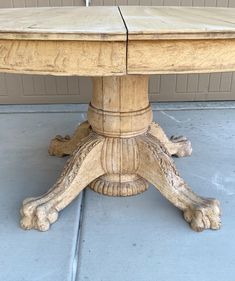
165 40
119 150
181 56
22 89
63 41
122 150
67 23
154 23
84 58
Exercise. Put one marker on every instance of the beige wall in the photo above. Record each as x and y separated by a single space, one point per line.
22 89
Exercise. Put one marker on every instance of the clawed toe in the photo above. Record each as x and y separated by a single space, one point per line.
62 139
178 138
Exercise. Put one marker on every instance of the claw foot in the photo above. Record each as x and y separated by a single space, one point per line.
204 216
184 146
39 217
56 147
64 146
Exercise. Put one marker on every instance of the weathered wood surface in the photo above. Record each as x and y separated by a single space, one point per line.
164 40
153 23
181 56
63 23
119 150
85 58
92 41
110 113
63 41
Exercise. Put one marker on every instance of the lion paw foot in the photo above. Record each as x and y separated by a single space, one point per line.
184 147
58 146
39 217
204 216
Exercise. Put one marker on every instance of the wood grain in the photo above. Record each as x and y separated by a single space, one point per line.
85 58
117 111
155 23
118 151
62 23
181 56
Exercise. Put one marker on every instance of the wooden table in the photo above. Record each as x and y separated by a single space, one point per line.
119 149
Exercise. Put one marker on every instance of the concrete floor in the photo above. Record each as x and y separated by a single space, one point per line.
141 238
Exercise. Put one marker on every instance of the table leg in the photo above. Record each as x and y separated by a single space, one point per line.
175 146
64 146
40 212
157 167
123 151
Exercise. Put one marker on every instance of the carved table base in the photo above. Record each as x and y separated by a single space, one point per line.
113 183
118 152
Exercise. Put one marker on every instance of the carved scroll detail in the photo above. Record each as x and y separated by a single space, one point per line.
157 167
78 172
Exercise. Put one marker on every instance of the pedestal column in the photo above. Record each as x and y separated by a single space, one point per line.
120 111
